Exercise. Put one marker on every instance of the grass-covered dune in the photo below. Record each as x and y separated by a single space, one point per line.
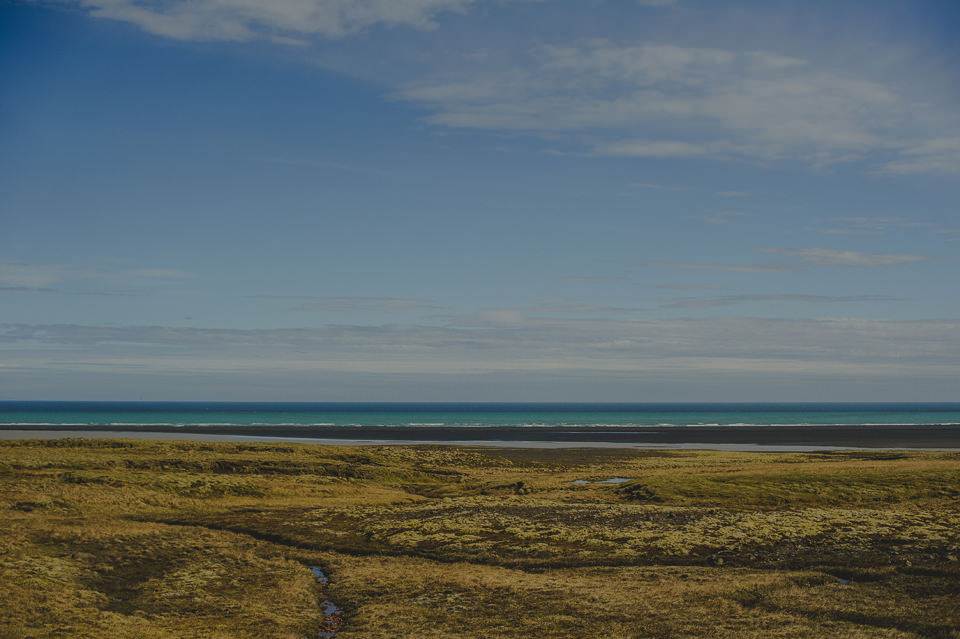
176 539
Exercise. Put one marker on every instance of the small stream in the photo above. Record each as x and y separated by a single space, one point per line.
333 615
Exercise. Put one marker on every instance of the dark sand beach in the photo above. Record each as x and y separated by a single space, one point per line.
933 436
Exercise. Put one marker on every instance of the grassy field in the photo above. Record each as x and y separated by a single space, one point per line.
169 539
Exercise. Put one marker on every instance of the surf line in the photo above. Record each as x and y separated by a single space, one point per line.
333 615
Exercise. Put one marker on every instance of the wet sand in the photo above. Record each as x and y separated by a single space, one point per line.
927 436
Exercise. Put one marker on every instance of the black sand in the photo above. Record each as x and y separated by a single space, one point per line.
872 436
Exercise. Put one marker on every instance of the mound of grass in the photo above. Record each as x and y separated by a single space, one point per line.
177 539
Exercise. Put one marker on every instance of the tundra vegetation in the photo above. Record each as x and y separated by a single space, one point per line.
143 539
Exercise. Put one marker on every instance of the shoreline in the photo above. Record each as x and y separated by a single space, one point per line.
727 438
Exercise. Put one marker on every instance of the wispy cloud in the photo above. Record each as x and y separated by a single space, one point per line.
732 193
873 225
85 279
563 305
663 187
346 304
540 313
794 259
682 286
650 148
592 278
18 274
320 164
28 289
834 257
767 267
642 100
612 98
283 21
723 217
860 348
728 300
940 155
159 273
60 291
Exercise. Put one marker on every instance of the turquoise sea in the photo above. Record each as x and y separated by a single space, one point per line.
556 415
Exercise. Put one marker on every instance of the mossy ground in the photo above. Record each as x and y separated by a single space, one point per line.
176 539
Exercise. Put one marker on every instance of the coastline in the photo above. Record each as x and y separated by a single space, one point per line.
730 438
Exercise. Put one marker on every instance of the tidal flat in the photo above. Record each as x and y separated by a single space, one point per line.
161 539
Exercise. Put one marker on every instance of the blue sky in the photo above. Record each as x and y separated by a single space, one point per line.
480 200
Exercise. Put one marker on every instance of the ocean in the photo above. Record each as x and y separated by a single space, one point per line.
185 415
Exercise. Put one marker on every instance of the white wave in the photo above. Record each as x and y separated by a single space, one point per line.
291 424
43 424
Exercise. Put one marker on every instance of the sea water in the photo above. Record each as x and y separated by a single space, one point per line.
528 415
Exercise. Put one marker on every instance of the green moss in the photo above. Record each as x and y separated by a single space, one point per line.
180 539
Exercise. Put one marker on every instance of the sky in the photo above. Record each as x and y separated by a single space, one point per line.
480 200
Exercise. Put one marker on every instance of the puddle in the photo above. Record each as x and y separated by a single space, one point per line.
322 579
333 615
843 582
580 481
611 480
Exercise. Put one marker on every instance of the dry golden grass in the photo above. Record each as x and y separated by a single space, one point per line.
176 539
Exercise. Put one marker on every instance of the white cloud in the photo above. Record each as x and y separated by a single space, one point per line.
159 273
27 289
795 259
623 99
74 278
646 100
510 341
665 187
728 300
834 257
863 225
347 304
19 275
941 155
650 148
565 306
768 267
283 21
723 217
683 286
592 278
